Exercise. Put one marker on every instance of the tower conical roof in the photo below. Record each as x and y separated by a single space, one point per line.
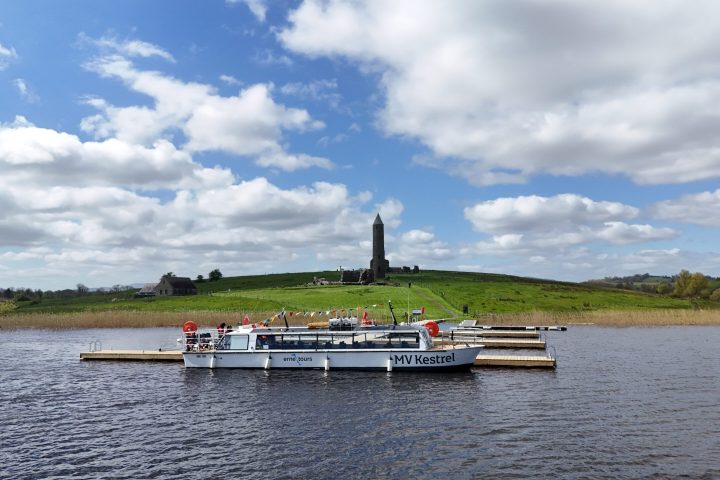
377 221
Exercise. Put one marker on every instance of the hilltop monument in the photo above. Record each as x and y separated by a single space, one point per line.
379 265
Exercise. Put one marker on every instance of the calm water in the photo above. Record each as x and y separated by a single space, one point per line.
623 403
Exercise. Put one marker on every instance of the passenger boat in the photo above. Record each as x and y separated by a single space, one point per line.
367 347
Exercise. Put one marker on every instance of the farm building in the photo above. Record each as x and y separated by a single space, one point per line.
148 290
175 286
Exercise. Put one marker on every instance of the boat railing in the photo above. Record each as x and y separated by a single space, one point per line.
95 346
201 340
454 338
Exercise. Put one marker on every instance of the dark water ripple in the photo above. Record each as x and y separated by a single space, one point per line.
624 403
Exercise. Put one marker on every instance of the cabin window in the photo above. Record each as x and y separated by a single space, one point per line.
238 342
404 339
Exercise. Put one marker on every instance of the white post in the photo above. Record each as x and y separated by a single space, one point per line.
389 364
267 362
327 363
212 362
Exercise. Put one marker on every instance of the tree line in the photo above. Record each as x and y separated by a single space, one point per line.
22 294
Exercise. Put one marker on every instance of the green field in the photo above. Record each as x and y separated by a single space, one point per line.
443 294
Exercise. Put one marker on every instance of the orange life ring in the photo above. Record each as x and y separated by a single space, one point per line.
190 326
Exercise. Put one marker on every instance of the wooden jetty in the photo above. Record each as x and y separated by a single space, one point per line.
514 361
496 333
134 355
176 356
472 324
494 342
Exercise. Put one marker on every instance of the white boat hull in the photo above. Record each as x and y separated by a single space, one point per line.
435 359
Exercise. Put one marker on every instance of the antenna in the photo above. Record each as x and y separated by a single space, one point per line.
392 313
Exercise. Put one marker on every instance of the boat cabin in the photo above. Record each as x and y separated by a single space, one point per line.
249 338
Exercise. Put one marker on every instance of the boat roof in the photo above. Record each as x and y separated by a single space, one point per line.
324 330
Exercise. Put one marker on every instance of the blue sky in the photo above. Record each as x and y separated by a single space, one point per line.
554 139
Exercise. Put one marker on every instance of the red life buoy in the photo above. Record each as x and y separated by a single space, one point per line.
190 326
433 328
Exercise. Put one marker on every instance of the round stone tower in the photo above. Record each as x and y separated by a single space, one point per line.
378 264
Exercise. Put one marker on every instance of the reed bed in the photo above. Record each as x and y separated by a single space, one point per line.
133 319
146 319
611 318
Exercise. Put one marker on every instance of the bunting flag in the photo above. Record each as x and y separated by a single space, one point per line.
292 313
312 314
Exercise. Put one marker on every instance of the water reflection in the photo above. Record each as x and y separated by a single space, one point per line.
622 403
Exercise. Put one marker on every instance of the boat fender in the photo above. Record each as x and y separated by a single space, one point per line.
190 326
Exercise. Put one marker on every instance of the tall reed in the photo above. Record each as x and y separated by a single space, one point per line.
608 318
144 319
130 319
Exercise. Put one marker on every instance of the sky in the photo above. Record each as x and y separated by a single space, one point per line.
567 140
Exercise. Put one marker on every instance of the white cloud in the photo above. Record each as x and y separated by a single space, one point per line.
419 247
268 57
537 225
257 7
292 162
323 90
45 157
248 124
500 91
621 233
130 48
536 213
230 80
26 93
701 209
246 227
580 263
390 211
6 55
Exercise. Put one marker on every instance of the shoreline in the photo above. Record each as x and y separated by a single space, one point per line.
139 319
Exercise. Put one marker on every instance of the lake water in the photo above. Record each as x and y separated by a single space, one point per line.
623 403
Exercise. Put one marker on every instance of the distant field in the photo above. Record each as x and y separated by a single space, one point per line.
499 294
373 299
443 294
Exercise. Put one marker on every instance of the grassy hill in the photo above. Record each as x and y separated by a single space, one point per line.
442 293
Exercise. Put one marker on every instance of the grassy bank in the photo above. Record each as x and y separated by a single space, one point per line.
501 298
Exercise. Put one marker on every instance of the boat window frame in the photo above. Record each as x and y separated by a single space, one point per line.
238 338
